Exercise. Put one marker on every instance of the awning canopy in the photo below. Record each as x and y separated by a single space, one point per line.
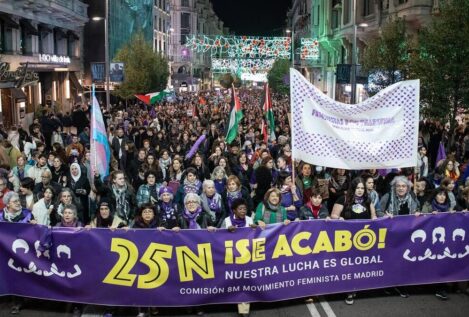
18 95
28 27
8 21
73 35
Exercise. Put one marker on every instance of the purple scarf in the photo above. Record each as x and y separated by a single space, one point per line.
238 223
232 196
168 209
214 204
192 217
192 187
439 207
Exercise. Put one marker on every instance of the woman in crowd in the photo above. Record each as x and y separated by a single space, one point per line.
271 211
165 163
243 170
69 218
146 218
400 200
233 191
168 210
450 168
176 172
27 197
305 180
338 185
193 216
43 208
354 205
58 170
148 192
372 193
422 162
291 196
314 208
79 184
202 171
191 184
212 203
448 184
219 179
438 202
105 217
21 168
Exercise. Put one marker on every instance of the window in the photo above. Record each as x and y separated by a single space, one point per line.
185 26
335 19
402 1
367 7
184 3
346 9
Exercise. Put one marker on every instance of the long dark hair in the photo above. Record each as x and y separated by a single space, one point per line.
350 198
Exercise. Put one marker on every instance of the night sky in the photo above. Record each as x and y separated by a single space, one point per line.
253 17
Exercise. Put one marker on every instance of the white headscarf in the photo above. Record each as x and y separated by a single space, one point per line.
75 178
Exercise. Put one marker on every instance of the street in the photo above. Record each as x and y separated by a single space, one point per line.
421 302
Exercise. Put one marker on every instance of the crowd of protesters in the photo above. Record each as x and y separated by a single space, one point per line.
45 174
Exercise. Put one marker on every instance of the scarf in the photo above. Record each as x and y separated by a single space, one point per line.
75 178
359 199
122 205
339 181
72 224
104 223
164 164
272 207
396 203
192 217
314 209
212 205
232 196
238 223
191 187
10 216
168 209
439 207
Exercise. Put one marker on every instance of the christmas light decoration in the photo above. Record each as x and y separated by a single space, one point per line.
241 46
251 66
309 49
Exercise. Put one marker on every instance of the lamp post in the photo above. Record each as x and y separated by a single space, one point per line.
106 52
353 72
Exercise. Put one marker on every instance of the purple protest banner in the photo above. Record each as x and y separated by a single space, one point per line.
195 267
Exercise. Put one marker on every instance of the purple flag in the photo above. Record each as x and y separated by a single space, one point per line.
441 153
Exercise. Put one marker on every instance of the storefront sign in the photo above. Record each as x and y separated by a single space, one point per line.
21 77
54 59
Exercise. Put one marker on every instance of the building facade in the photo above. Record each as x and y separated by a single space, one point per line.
43 38
161 26
333 22
191 70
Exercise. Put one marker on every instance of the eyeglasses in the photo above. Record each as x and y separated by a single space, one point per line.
192 202
147 211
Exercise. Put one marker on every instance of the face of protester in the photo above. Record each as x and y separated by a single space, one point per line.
74 170
440 198
232 186
20 161
340 172
316 200
192 205
42 161
48 194
222 163
287 152
57 163
281 163
360 190
423 151
148 215
306 170
165 155
270 164
119 180
370 183
166 197
75 139
68 215
141 155
104 211
420 187
264 155
450 166
14 205
450 186
287 181
151 179
46 178
120 133
191 177
209 190
243 159
198 161
274 198
241 211
401 189
217 151
66 198
150 159
176 165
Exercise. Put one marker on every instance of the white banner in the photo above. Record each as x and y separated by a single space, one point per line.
380 132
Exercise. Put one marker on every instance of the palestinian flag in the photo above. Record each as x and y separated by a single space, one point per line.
153 97
268 124
236 114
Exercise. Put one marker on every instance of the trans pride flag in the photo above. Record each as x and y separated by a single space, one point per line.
100 150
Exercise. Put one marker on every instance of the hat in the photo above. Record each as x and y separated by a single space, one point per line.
105 202
165 190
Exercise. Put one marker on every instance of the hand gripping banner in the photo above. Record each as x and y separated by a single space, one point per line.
380 132
196 267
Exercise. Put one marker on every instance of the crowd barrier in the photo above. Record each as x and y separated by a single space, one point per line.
196 267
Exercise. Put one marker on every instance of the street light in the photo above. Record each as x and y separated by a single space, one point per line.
353 80
106 52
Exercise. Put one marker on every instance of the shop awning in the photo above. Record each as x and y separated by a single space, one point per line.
8 21
44 28
73 35
18 95
28 27
60 33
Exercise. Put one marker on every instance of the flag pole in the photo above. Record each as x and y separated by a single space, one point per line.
92 120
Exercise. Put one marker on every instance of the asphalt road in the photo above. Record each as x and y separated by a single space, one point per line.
421 302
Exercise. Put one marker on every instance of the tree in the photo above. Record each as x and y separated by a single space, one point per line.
386 57
278 76
441 62
145 71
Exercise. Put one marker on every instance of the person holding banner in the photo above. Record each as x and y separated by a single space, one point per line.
168 210
212 203
234 191
239 219
401 200
355 204
105 217
271 210
70 218
193 216
291 195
